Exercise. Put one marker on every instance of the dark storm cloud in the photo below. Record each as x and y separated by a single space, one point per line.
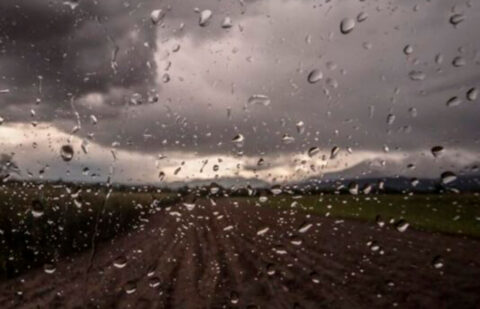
270 50
50 50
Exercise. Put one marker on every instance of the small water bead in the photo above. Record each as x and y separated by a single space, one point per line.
402 226
408 49
417 75
262 231
456 19
379 220
300 127
439 59
227 22
454 101
437 151
313 151
315 277
287 139
314 76
276 190
238 139
66 152
390 119
270 269
304 227
334 152
49 268
120 262
353 188
73 4
154 282
130 287
263 199
459 62
472 94
234 298
156 16
413 112
361 17
259 99
161 176
448 177
437 262
347 25
37 209
205 17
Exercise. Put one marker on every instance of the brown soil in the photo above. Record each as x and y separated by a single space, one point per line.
212 257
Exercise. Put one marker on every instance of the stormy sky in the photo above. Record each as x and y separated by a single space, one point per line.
136 99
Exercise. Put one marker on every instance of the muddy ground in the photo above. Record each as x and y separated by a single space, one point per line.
244 256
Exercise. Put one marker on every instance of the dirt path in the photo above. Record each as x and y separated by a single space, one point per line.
223 256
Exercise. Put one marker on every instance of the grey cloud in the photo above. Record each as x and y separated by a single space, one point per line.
265 52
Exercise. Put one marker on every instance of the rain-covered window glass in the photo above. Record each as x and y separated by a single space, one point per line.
239 154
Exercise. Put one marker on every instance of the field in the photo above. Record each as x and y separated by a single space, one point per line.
39 225
140 248
450 214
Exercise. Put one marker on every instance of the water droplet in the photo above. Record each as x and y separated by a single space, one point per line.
353 188
347 25
437 151
214 189
300 127
459 62
156 16
154 282
161 176
334 152
166 78
362 16
205 17
259 99
453 101
313 151
120 262
448 177
390 119
379 220
227 22
413 112
263 199
270 269
73 4
408 49
262 231
457 19
437 262
234 298
314 76
238 139
93 119
304 227
37 209
414 182
130 287
402 226
287 139
189 206
49 268
276 190
417 75
472 94
66 152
